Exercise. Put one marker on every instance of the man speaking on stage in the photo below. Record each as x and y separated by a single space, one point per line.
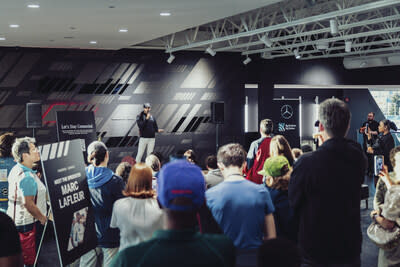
147 131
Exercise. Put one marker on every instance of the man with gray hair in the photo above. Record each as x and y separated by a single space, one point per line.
27 194
324 191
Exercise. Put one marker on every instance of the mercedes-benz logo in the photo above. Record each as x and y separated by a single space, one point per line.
286 111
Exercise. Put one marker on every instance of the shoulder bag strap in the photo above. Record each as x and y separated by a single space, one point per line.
15 199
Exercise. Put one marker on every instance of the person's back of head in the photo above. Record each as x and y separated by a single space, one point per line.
6 142
278 252
160 157
181 193
334 116
97 153
11 253
153 162
266 127
232 155
296 153
211 162
123 170
280 146
139 182
190 156
277 172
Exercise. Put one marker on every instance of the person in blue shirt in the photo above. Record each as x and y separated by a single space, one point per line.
243 209
105 188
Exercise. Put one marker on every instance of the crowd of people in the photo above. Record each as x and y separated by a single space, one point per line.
271 206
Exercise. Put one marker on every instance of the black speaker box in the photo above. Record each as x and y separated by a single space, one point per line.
33 115
217 112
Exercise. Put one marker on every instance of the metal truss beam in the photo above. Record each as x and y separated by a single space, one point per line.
329 40
390 41
314 32
294 23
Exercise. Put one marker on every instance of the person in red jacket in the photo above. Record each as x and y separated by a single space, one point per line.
259 152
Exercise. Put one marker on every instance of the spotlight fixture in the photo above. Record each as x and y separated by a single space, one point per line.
334 26
347 46
210 51
171 58
266 55
296 53
322 45
33 6
247 61
266 40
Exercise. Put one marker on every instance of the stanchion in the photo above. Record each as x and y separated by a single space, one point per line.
41 239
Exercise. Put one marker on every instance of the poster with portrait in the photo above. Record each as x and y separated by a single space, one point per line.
73 217
286 118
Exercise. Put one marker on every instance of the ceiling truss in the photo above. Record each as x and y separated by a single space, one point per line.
373 27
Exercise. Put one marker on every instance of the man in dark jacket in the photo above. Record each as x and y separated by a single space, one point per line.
324 191
147 131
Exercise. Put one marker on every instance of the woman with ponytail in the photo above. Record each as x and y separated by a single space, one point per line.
105 188
384 143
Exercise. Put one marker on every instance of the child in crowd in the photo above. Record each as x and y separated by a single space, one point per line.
277 174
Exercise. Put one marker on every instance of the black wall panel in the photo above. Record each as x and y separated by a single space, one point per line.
115 84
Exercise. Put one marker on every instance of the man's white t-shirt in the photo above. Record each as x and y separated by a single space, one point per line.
137 220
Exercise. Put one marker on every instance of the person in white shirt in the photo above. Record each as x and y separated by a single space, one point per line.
138 215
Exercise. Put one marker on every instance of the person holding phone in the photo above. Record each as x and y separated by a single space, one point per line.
383 143
386 180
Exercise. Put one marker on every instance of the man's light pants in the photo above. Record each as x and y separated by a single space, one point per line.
143 143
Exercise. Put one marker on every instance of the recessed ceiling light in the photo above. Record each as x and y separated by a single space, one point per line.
2 38
14 26
33 6
93 42
165 14
123 30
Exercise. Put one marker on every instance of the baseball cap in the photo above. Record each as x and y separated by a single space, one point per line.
181 179
146 105
273 166
96 146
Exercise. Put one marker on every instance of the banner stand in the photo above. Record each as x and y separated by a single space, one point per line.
72 213
41 240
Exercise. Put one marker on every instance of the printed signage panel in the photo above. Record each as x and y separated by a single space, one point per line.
73 216
76 125
286 120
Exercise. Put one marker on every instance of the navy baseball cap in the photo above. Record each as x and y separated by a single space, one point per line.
181 179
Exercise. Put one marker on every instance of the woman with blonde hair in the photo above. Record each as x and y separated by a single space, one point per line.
137 215
280 147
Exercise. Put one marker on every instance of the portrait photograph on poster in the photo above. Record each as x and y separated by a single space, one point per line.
77 229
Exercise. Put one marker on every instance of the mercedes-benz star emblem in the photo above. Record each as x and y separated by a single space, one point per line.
286 111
